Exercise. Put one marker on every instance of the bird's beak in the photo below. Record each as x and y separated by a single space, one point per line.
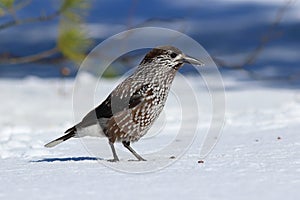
193 61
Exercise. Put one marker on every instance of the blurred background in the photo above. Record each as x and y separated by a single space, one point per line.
50 38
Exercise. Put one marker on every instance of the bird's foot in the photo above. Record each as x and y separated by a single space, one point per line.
113 160
139 159
142 159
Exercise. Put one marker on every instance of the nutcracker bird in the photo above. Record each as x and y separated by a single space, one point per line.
132 107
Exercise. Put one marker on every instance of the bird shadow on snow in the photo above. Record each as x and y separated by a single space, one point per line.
67 159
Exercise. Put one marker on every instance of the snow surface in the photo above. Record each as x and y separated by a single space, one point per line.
257 156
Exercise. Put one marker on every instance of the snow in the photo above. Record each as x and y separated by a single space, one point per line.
256 157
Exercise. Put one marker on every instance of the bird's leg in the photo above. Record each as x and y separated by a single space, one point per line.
127 146
115 159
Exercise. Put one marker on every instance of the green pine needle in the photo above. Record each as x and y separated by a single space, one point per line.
7 4
74 10
72 42
2 12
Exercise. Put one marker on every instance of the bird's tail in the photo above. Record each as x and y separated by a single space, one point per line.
70 133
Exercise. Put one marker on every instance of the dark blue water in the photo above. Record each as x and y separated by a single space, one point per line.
225 30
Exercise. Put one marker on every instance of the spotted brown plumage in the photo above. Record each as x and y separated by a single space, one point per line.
131 108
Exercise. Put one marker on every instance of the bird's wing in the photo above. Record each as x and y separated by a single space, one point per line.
116 102
103 111
139 96
127 121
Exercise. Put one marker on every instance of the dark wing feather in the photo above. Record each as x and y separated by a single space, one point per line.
140 95
106 111
100 112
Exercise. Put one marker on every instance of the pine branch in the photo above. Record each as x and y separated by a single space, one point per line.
30 58
41 18
265 39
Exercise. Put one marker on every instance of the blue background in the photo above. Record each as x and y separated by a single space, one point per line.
226 29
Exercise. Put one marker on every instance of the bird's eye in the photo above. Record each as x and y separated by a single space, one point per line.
173 55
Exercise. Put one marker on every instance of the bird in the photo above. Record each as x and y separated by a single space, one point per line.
132 107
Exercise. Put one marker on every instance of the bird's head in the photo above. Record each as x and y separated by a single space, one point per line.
170 57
